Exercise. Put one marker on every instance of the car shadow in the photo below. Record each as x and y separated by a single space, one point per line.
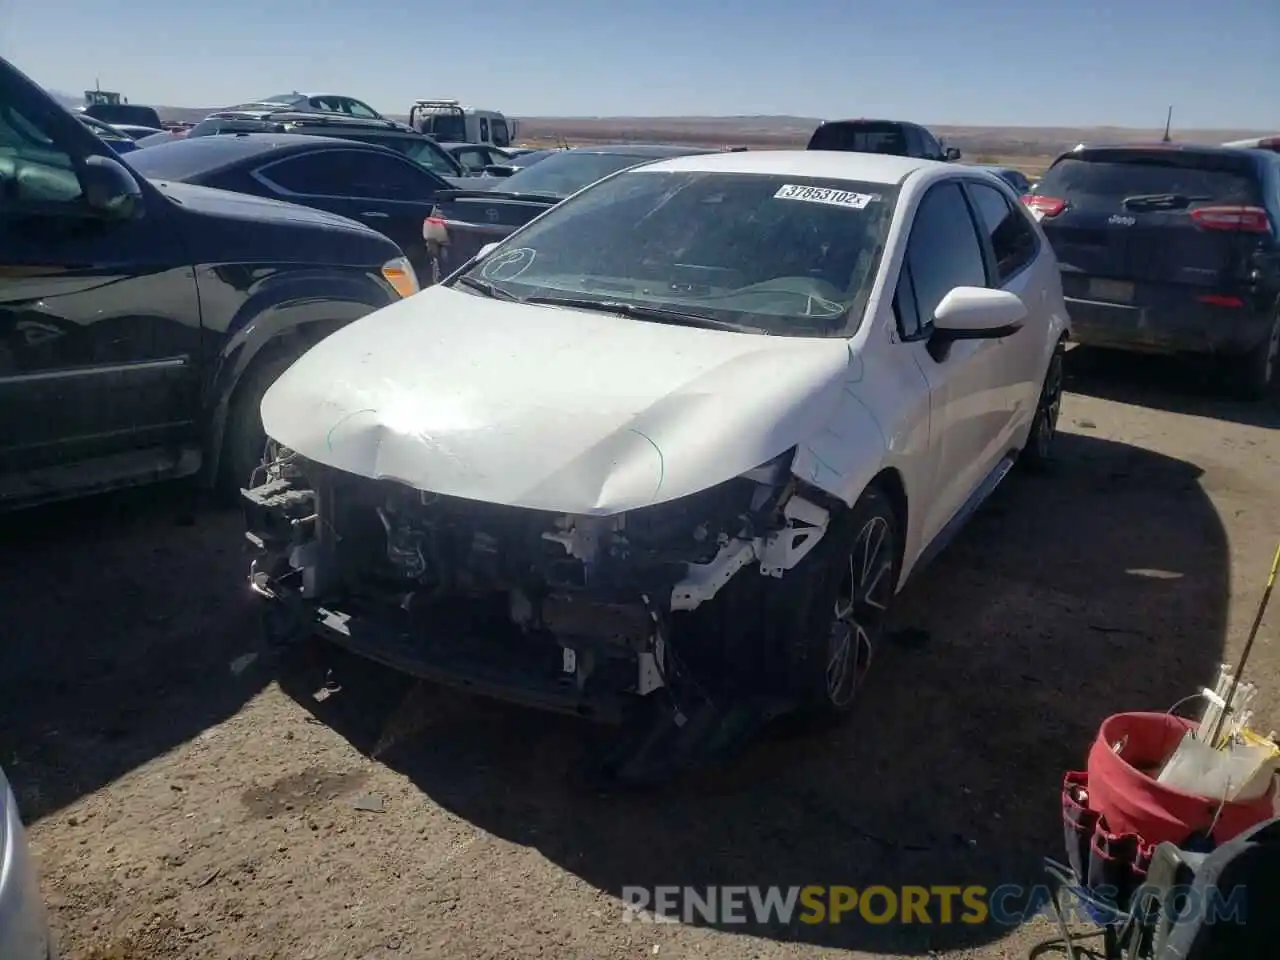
1186 385
121 615
1100 587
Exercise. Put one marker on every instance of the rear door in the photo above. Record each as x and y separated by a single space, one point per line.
388 192
1151 227
1012 247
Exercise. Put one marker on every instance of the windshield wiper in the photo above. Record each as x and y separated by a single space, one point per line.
487 288
1166 201
641 312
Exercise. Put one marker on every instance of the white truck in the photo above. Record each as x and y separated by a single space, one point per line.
449 121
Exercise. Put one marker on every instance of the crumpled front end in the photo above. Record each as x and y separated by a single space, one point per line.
579 614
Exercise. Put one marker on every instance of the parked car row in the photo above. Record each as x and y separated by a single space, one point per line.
666 429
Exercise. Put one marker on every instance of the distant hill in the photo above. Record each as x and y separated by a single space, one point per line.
789 131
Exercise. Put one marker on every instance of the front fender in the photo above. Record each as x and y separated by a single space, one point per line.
256 309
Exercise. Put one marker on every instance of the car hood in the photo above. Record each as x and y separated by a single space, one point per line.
242 206
550 408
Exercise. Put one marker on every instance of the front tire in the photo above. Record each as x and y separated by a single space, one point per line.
245 443
833 613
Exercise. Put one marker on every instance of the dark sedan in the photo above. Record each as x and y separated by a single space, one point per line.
465 220
375 185
387 133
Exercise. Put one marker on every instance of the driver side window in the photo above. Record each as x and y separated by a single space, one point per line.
36 175
943 252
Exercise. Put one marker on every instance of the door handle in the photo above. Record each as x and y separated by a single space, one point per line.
374 213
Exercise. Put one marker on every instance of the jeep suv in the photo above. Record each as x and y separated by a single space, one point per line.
142 321
1171 249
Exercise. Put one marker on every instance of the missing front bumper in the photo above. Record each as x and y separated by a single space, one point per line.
596 681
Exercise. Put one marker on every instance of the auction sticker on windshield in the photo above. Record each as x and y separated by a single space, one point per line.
827 195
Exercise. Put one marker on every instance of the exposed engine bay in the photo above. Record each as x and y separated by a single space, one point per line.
579 614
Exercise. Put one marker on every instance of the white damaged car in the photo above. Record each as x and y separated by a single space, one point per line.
680 439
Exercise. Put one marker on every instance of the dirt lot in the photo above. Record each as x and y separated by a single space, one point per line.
185 804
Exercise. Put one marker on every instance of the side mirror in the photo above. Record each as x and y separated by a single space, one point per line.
499 170
110 190
975 313
486 250
951 154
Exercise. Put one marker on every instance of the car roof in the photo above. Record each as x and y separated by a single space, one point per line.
1230 156
830 164
656 150
870 121
190 156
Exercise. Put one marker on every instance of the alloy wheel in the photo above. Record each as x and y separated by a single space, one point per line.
860 610
1046 422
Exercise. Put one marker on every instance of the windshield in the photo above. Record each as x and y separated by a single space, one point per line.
445 127
287 99
860 138
421 151
1138 175
777 254
568 171
215 125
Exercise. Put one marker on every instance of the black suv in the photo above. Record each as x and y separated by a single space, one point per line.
894 137
417 147
141 322
1170 248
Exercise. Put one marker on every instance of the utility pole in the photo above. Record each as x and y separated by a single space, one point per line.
1168 121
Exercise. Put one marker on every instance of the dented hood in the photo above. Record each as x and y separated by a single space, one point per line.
549 408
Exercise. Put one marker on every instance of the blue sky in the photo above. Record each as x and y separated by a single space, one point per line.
982 62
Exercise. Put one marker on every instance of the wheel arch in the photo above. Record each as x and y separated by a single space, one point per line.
890 482
239 364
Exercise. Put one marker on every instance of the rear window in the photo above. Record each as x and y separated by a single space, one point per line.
216 125
187 159
420 150
1209 181
860 138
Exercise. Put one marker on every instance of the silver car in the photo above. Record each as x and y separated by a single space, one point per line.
24 927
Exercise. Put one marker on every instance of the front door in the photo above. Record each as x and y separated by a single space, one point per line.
99 320
967 402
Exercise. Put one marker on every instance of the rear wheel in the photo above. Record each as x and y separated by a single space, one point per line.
1258 371
1038 453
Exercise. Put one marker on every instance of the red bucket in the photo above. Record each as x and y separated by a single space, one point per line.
1122 786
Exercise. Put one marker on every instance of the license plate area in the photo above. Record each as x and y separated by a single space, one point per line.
1113 291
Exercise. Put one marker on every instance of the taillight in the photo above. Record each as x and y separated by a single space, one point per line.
1220 300
1043 207
433 230
1243 219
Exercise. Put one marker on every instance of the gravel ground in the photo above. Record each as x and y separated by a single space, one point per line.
187 803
